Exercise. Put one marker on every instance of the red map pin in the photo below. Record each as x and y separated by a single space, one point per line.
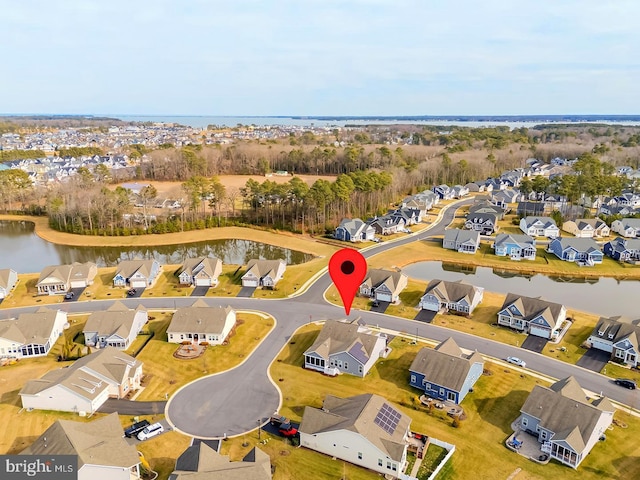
347 268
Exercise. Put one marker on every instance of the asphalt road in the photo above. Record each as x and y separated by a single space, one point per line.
233 402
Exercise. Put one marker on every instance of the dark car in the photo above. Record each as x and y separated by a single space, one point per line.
623 382
132 292
69 295
136 428
375 304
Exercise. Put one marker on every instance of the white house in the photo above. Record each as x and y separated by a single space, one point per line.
365 430
459 297
200 272
627 227
201 323
383 285
136 273
86 384
32 334
539 227
102 451
116 327
343 347
8 280
263 273
58 279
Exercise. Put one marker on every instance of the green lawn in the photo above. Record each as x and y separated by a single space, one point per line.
479 440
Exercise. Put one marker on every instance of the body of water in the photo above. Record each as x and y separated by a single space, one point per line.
603 296
23 251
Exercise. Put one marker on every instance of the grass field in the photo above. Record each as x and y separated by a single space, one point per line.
479 440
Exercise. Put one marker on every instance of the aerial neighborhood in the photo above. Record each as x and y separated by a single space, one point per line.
250 369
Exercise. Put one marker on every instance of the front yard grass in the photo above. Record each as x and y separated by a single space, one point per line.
490 409
165 373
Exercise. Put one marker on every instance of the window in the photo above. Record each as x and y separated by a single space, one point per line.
360 369
413 378
359 455
379 462
619 353
388 465
339 363
543 435
346 366
394 467
442 392
524 421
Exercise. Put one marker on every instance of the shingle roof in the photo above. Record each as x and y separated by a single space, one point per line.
127 268
116 320
618 328
453 291
211 266
521 240
586 245
337 337
532 307
546 221
358 414
33 328
462 236
199 318
99 442
394 281
563 409
201 462
66 273
262 268
445 365
5 273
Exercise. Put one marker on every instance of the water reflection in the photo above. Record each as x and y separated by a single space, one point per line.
603 296
22 250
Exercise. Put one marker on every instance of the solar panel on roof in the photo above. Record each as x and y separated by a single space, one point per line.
387 418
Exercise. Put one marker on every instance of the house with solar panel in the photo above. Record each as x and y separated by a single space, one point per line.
343 347
365 430
445 372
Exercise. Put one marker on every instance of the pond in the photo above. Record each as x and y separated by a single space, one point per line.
602 296
22 250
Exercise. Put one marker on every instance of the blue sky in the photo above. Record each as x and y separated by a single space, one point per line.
320 57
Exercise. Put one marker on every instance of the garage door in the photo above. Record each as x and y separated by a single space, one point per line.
78 284
601 344
138 284
383 297
250 283
539 331
432 307
203 282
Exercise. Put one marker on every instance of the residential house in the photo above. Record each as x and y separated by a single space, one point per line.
343 347
495 184
201 462
365 430
618 336
532 315
263 273
486 206
627 227
86 384
387 224
101 449
383 285
628 199
8 281
587 228
532 208
463 241
623 249
473 187
58 279
445 372
418 202
411 216
31 334
136 273
200 272
515 246
354 230
117 326
539 227
485 223
459 297
584 251
444 192
504 197
565 422
460 191
201 323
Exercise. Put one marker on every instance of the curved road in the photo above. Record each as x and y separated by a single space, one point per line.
233 402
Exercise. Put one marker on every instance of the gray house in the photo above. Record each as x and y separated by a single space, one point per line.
618 336
458 297
445 372
200 272
8 280
485 223
463 241
343 347
115 327
532 315
566 424
136 273
383 285
263 273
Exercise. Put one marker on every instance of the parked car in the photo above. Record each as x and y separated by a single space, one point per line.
288 430
132 292
150 431
136 428
626 383
375 304
69 295
277 420
517 361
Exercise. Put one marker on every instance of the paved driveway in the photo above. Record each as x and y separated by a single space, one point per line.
199 291
77 293
534 343
426 316
127 407
138 293
246 292
594 360
381 308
